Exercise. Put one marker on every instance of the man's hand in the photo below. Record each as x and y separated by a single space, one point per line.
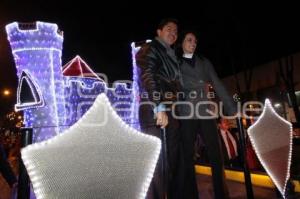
162 119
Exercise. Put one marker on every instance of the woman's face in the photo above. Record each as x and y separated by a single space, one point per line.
189 43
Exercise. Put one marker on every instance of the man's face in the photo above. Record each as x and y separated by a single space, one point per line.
224 124
168 33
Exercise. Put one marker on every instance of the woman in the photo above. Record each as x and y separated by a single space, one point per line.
197 74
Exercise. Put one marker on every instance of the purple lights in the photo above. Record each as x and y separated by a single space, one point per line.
82 86
34 36
37 50
135 90
60 97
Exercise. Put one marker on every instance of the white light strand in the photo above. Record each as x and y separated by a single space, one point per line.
269 106
101 100
33 87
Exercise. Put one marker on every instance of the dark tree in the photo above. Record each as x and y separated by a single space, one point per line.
286 69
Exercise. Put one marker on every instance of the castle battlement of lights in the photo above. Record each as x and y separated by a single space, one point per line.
52 96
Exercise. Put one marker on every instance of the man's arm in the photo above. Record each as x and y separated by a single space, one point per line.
148 62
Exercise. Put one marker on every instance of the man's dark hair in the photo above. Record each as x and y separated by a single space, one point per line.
165 21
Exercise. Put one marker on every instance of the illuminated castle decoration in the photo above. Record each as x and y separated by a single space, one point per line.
28 93
135 47
53 98
79 68
36 49
82 86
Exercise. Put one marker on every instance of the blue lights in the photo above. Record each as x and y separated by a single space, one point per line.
62 94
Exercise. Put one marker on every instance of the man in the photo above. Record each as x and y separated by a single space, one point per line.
6 170
229 144
158 86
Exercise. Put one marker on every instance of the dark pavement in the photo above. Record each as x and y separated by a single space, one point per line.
236 190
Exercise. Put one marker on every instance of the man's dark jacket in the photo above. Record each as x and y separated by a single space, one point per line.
159 74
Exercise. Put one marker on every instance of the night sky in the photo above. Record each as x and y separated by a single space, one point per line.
232 34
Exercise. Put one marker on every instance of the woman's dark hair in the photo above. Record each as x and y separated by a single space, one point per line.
181 37
165 21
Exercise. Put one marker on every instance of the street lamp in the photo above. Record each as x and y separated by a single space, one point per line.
6 92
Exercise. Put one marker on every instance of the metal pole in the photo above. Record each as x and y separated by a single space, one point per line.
24 182
247 175
164 162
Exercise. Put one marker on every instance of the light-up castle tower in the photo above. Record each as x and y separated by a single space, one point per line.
82 86
54 98
37 50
